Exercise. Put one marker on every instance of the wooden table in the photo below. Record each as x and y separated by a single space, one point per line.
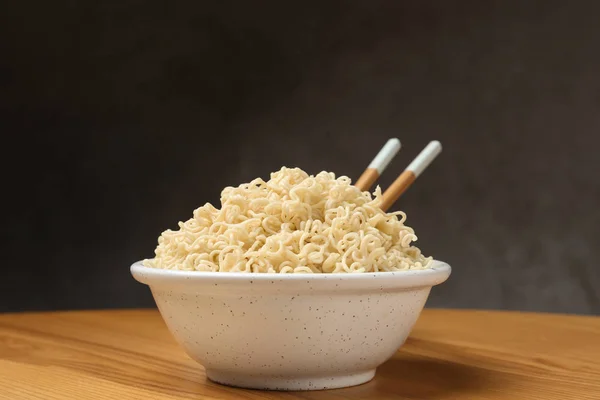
450 355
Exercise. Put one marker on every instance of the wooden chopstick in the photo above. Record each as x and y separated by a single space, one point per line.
378 165
410 174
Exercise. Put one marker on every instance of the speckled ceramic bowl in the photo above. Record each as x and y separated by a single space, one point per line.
290 331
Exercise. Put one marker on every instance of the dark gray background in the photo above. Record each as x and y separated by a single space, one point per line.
121 117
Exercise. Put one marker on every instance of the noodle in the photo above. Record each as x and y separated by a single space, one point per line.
293 223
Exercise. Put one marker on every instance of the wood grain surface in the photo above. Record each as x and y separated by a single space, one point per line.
450 355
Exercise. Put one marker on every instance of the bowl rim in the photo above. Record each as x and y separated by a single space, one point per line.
438 273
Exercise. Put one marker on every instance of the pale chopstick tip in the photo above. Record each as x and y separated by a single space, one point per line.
436 144
394 142
385 155
425 157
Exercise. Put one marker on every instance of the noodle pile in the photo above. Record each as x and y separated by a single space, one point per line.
292 223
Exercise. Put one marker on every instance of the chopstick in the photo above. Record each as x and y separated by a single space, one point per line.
378 165
410 174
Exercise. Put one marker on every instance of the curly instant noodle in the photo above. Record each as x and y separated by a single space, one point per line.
292 223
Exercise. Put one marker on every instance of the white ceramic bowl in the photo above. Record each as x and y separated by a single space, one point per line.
290 331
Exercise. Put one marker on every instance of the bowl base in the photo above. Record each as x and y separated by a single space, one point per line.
289 383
